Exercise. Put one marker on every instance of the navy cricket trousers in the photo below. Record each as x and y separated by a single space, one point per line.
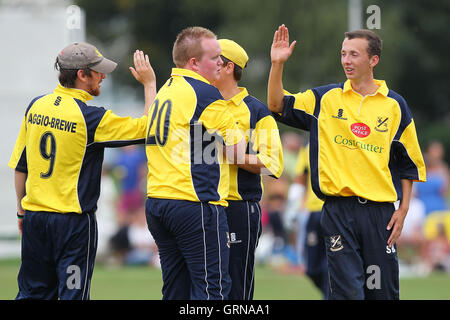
360 263
193 248
244 222
58 255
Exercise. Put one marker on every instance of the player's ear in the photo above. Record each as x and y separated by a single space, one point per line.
82 76
373 60
230 67
192 64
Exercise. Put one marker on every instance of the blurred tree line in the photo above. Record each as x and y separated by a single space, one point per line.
414 62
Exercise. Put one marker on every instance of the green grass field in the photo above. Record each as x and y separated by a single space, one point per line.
140 283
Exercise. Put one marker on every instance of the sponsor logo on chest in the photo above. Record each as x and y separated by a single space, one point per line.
360 129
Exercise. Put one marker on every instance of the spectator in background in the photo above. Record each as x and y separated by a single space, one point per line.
294 195
106 214
291 143
143 249
274 240
130 170
437 251
435 190
310 238
133 244
412 239
275 205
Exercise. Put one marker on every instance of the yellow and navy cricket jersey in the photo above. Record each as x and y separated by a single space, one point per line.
311 203
187 125
359 146
261 133
61 145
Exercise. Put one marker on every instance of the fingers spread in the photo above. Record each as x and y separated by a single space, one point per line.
139 60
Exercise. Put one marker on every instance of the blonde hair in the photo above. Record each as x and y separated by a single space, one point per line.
189 45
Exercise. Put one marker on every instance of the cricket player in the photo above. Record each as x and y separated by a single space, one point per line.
364 155
58 163
264 155
187 184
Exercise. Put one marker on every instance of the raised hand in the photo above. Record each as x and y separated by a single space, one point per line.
281 50
143 71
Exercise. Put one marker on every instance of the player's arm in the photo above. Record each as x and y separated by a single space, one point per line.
409 161
143 72
252 164
236 153
18 162
19 184
398 217
279 53
266 144
216 119
115 131
20 179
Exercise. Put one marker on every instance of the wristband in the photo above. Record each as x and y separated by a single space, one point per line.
19 216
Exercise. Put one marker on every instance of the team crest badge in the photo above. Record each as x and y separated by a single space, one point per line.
336 243
382 124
